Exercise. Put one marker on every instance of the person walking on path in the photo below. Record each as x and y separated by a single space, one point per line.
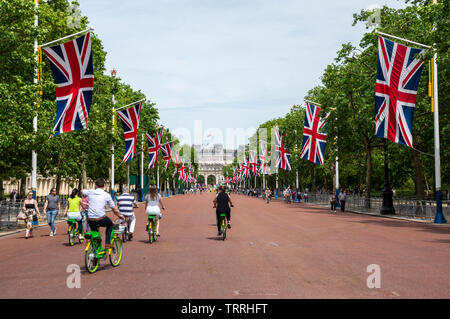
29 211
52 207
342 198
126 202
84 211
98 199
152 203
333 203
73 211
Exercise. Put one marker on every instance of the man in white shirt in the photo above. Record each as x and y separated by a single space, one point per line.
98 199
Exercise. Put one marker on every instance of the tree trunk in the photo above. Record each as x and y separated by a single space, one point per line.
58 183
368 171
418 178
2 190
83 173
313 179
23 182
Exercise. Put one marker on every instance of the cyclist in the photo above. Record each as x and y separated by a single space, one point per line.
152 203
221 204
73 210
98 199
126 202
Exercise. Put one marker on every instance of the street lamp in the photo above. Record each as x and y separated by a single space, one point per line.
388 206
113 75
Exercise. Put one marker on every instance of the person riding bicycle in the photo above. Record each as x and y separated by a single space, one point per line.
73 210
98 199
126 202
221 204
152 203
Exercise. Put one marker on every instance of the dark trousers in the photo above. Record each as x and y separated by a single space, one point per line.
104 222
333 205
228 214
342 205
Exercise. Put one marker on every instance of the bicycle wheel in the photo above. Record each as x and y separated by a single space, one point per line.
124 235
90 261
115 254
150 232
71 234
224 228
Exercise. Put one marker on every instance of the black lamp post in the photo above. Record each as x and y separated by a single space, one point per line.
388 206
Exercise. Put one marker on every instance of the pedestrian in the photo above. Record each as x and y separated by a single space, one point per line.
84 211
126 202
30 213
152 204
333 203
342 198
52 208
73 210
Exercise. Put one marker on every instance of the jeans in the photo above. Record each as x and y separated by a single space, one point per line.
84 217
51 216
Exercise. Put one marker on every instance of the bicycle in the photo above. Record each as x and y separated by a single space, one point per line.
151 228
124 229
223 225
94 250
73 231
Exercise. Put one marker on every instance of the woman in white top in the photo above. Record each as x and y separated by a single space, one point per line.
152 203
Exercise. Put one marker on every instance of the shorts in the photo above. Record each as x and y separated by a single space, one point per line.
153 210
74 215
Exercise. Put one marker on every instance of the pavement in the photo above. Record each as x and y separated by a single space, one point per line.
273 251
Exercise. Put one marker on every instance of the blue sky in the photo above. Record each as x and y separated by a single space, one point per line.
229 63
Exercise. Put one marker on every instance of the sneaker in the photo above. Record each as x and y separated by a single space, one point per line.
229 225
130 236
219 233
51 234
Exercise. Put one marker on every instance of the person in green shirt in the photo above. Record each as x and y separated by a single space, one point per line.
73 210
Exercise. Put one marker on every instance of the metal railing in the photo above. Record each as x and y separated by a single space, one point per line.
9 210
404 207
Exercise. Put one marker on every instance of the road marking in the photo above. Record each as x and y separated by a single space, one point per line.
274 244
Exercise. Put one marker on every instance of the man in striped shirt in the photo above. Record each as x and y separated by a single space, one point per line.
126 203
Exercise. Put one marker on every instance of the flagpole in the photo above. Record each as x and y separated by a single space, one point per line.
142 168
113 75
66 37
122 107
33 152
402 39
439 217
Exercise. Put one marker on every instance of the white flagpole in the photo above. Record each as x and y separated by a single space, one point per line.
113 74
66 37
439 217
402 39
142 168
33 152
122 107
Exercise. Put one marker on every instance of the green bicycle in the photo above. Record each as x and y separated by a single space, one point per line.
151 228
223 225
94 250
73 231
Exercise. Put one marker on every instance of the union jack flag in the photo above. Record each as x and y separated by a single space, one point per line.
314 142
282 157
182 171
73 73
398 76
154 145
130 124
167 152
245 169
253 163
